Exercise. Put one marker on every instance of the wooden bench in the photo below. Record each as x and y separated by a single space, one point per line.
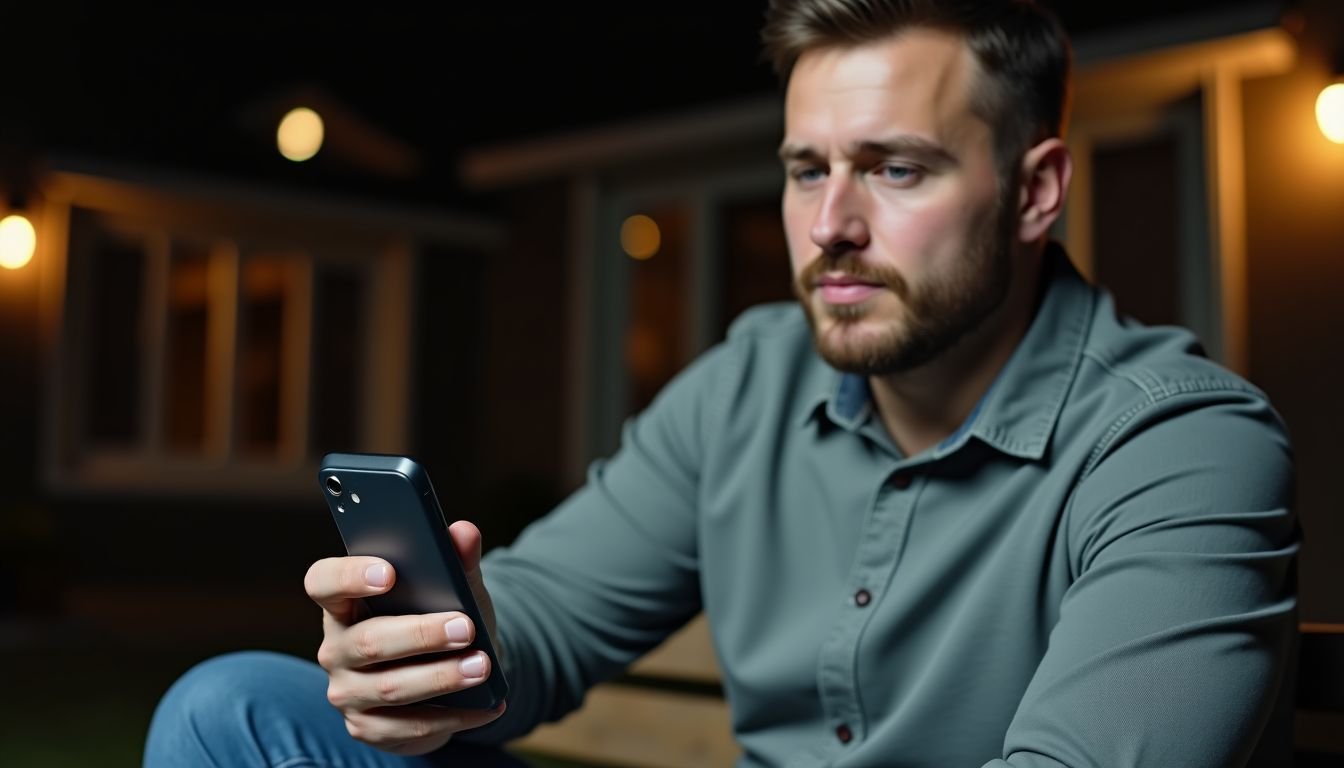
669 712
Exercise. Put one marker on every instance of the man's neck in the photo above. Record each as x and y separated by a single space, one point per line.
922 407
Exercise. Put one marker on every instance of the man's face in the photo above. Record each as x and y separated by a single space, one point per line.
899 240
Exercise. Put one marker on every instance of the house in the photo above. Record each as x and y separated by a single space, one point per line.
187 345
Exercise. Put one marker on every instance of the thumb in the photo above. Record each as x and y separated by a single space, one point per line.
467 541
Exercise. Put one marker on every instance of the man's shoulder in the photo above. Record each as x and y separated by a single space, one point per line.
772 342
769 339
1156 362
1138 380
766 343
775 322
1154 430
765 359
763 367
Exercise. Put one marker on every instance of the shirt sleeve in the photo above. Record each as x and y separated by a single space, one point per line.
1172 641
613 570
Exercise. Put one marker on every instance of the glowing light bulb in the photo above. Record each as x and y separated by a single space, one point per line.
18 240
1330 112
300 134
640 237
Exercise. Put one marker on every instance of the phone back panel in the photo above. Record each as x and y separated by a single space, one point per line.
387 508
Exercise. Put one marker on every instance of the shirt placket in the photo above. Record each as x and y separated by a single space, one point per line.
875 560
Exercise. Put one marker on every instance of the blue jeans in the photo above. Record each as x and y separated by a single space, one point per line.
259 708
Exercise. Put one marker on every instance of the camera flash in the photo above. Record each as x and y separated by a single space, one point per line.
340 508
354 497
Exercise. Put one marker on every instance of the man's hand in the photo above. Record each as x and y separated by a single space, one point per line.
375 676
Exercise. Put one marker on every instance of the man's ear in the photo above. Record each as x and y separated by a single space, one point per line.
1047 169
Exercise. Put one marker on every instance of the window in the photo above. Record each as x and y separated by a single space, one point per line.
753 256
222 353
1175 109
721 251
1138 220
657 338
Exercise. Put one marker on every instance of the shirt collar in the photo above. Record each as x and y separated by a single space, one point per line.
1017 415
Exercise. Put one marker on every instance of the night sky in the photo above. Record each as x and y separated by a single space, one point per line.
171 87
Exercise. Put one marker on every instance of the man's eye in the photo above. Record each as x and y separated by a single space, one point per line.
902 174
808 175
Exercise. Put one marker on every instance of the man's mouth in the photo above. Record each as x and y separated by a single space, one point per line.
845 289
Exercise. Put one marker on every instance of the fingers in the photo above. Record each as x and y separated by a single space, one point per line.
414 730
402 684
335 582
382 667
388 638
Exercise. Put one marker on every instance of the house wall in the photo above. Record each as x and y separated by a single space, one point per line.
523 327
166 563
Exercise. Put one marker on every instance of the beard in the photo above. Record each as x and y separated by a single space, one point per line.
933 316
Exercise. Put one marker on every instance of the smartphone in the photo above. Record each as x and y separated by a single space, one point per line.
385 506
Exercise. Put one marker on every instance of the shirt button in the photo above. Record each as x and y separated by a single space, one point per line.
863 597
900 481
843 733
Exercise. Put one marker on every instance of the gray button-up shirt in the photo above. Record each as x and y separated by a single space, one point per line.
1097 569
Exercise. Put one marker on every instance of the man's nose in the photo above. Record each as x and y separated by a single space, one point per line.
840 224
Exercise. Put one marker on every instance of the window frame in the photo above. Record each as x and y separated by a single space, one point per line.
313 234
603 273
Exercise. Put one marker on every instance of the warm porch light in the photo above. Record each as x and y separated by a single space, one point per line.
18 240
300 134
640 237
1330 112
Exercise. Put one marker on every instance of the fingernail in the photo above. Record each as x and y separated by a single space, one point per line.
459 631
377 576
473 666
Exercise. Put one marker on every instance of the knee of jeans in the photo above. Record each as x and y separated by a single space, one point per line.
218 698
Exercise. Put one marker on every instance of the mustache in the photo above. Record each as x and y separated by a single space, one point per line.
850 265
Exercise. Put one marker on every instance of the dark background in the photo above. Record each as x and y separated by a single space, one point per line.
104 601
172 86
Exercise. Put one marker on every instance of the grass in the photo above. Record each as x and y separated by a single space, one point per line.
72 698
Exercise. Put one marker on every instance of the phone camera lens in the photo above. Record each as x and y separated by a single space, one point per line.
334 485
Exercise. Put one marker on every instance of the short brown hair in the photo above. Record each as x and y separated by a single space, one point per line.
1022 50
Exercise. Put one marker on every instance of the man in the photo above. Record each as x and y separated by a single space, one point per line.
953 512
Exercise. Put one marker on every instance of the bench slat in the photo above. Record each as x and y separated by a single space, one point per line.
686 655
641 728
